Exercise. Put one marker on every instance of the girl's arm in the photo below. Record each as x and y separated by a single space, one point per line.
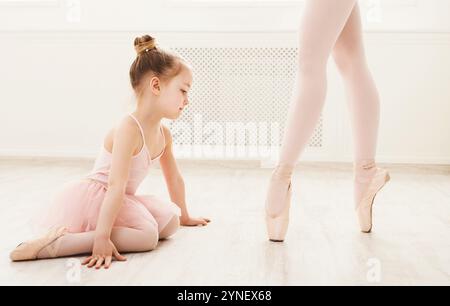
175 183
125 143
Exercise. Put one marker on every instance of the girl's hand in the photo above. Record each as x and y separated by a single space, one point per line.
188 221
102 254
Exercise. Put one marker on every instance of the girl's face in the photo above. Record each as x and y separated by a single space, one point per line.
174 94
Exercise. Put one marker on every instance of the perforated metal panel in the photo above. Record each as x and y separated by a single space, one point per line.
250 87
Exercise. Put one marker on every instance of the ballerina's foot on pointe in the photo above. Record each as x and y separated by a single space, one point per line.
278 202
368 179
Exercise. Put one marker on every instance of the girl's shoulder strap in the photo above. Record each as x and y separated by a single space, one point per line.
140 127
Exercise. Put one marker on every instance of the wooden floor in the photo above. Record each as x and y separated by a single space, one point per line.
409 245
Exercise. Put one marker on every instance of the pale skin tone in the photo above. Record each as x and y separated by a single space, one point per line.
157 99
349 41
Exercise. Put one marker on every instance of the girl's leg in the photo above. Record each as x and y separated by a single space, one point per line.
322 22
170 228
363 100
125 239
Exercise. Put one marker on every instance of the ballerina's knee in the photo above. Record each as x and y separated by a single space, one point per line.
170 228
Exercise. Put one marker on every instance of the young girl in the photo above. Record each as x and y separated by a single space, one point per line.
101 213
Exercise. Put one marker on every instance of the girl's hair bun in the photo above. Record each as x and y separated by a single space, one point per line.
144 44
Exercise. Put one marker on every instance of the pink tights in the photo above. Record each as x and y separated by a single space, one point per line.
332 27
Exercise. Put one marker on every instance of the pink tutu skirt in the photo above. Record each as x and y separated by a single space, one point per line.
77 207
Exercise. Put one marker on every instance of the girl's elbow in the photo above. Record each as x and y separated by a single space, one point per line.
176 181
180 180
116 188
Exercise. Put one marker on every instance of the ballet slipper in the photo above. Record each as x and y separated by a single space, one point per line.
29 250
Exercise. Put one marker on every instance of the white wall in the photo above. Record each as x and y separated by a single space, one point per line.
63 81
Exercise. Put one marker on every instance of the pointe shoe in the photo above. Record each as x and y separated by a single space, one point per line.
364 208
29 250
277 216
